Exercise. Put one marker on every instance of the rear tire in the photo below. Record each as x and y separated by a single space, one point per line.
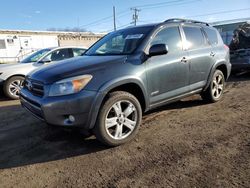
12 86
216 87
119 119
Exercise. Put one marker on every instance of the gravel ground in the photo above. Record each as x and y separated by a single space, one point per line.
185 144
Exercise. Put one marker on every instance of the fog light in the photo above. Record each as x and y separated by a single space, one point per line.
72 118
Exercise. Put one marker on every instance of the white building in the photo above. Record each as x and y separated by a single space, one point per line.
17 44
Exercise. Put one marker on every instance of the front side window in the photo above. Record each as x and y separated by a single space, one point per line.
194 37
35 56
121 42
169 36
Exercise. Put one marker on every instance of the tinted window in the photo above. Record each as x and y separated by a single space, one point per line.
58 55
169 36
78 52
194 37
212 36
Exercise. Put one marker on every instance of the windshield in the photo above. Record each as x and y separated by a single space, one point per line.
121 42
35 56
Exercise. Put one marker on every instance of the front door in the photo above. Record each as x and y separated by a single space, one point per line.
168 75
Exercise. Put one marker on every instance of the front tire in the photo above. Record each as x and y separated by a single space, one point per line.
12 87
216 87
119 119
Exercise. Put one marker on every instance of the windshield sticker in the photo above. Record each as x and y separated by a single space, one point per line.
136 36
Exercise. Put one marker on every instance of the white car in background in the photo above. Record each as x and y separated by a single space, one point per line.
12 75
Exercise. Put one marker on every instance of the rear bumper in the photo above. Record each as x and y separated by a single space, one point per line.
56 110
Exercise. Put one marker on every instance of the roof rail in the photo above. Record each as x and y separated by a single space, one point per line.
181 20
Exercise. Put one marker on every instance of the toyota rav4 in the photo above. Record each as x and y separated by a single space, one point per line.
129 72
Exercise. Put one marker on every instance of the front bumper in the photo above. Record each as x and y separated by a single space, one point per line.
56 110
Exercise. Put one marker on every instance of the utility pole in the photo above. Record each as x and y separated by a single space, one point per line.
135 15
114 18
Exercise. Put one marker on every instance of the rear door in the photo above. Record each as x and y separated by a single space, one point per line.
168 74
201 55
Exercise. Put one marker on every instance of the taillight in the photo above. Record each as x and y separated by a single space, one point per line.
226 47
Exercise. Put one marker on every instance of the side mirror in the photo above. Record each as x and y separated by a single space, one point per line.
158 49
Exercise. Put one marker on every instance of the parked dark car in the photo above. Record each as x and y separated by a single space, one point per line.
240 49
240 60
129 72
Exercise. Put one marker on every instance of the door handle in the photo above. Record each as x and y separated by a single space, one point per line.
212 54
184 60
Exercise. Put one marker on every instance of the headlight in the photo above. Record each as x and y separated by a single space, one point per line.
69 85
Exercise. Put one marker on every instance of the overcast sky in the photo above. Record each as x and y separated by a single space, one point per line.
96 15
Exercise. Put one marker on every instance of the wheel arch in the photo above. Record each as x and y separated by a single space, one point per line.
131 85
218 66
22 75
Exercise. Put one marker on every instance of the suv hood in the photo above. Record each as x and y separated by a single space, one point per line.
74 67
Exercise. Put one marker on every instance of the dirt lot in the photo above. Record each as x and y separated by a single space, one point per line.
185 144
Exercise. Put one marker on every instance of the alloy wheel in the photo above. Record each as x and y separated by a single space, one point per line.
217 86
15 87
121 120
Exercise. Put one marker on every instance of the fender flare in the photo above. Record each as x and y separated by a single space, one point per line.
105 89
214 67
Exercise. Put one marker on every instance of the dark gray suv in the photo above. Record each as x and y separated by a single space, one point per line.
129 72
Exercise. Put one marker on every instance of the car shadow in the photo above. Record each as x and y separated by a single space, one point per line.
26 141
2 97
243 76
188 102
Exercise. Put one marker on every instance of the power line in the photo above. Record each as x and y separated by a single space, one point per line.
103 20
202 15
157 4
169 5
109 18
125 25
122 26
221 12
152 6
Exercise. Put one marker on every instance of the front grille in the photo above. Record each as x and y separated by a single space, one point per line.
32 107
35 87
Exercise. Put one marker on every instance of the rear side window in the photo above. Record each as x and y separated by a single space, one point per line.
212 36
169 36
195 38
